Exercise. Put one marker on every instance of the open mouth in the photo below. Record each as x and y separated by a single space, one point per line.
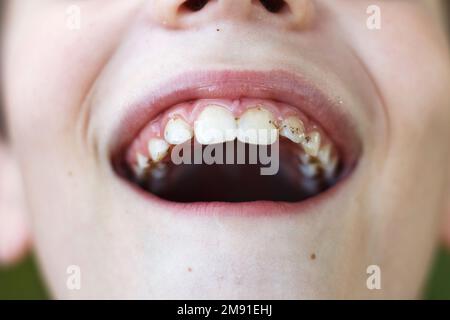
237 137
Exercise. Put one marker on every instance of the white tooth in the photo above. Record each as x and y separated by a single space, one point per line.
311 143
178 131
257 126
142 161
215 124
330 167
324 154
293 129
305 158
309 170
158 149
141 166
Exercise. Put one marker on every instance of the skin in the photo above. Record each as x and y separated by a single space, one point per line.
64 93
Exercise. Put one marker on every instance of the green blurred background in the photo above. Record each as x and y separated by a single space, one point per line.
23 281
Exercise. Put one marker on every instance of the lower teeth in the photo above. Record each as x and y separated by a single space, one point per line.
299 177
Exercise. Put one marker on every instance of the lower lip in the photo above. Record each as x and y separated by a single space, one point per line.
246 209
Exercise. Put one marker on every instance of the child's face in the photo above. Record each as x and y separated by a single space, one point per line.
70 96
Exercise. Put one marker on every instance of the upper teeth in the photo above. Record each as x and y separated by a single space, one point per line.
311 143
293 129
330 167
158 149
142 161
215 125
178 131
257 126
324 153
141 166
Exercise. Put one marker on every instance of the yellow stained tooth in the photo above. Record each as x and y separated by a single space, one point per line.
293 129
330 167
324 154
178 131
311 143
158 149
215 124
257 126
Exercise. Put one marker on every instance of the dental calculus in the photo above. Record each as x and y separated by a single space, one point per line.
256 125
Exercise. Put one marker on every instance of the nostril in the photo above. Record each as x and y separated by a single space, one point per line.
274 6
194 5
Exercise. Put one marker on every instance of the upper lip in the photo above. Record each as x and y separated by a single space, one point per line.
276 85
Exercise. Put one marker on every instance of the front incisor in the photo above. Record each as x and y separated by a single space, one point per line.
215 124
257 126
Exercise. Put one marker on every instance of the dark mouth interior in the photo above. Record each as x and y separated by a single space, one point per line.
235 182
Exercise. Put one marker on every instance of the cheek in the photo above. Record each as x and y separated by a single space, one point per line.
409 62
50 68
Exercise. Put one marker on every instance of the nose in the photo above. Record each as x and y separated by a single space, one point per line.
292 14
